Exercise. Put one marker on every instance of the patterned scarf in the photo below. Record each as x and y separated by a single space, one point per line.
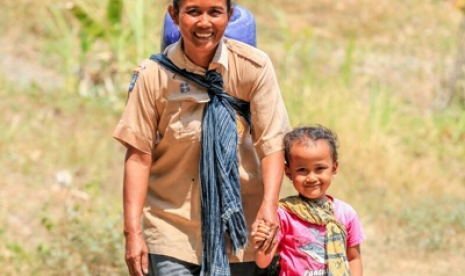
321 212
221 204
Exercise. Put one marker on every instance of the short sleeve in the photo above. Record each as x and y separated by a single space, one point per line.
347 215
269 116
355 234
138 123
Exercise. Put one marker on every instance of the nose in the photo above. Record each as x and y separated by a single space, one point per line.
204 20
311 177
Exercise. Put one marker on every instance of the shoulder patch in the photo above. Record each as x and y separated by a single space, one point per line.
135 74
246 51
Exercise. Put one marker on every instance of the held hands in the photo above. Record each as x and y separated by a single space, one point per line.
265 236
267 219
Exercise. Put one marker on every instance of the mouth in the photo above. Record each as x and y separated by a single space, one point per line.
203 35
312 186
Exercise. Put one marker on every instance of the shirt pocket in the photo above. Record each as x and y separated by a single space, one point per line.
184 113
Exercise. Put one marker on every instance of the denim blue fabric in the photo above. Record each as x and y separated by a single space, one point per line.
221 204
160 265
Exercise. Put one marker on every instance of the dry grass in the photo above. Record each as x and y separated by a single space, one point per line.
369 71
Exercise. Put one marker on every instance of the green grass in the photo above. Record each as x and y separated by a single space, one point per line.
370 72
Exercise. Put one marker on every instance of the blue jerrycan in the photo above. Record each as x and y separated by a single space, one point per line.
241 27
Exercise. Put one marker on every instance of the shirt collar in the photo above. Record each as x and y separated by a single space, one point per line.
177 56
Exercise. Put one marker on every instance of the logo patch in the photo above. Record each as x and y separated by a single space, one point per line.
135 75
133 81
184 87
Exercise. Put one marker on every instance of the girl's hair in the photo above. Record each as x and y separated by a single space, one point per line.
177 3
302 135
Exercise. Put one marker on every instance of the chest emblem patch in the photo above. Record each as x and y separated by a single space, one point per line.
184 87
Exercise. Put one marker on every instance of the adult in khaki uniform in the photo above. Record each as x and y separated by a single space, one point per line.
161 127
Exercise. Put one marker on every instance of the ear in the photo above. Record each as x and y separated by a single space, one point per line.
287 171
173 14
335 167
231 11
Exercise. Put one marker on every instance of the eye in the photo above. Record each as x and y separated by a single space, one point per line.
193 11
320 168
216 12
302 170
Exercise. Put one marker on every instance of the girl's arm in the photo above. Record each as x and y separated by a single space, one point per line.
263 257
354 256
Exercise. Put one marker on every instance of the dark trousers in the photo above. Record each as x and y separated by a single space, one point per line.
160 265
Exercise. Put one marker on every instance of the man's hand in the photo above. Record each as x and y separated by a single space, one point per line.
136 255
267 216
272 169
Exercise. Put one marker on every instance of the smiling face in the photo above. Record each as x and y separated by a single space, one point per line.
311 168
202 24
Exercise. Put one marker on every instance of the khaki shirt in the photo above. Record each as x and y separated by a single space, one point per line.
163 117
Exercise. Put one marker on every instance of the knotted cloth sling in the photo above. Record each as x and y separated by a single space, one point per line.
321 212
221 204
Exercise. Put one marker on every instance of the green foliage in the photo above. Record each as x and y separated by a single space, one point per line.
108 29
83 243
91 30
62 32
346 68
114 12
432 227
104 45
382 108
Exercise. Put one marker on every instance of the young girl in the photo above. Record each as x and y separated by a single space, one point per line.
319 234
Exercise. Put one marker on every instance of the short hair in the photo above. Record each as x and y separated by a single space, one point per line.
303 134
177 3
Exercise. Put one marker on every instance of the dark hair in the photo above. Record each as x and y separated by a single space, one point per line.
177 3
302 135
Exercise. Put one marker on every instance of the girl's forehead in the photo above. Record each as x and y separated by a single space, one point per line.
310 149
307 142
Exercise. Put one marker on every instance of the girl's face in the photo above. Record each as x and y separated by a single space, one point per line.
311 168
202 24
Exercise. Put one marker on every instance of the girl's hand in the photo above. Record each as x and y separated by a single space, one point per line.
267 215
262 233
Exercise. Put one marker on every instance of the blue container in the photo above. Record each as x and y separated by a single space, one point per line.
241 27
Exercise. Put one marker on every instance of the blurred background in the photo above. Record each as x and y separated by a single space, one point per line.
388 76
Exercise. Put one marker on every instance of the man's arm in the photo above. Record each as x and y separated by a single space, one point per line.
272 168
136 175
